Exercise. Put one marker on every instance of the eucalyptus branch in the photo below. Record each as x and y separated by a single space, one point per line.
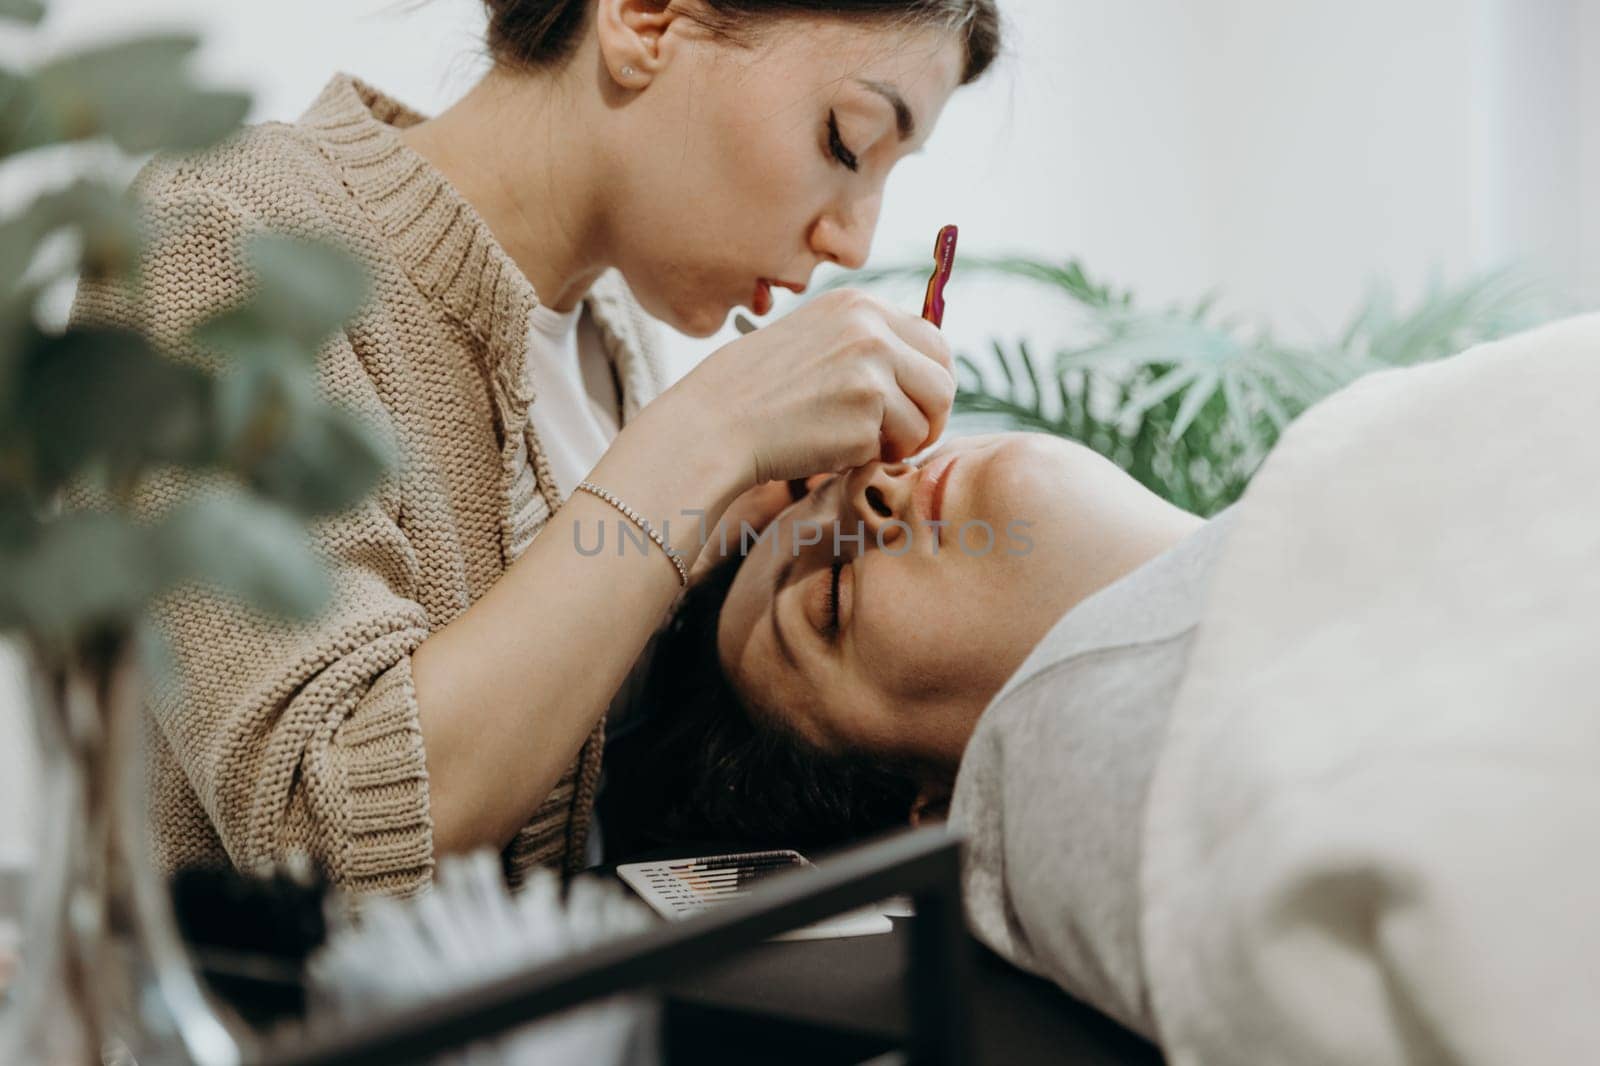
91 415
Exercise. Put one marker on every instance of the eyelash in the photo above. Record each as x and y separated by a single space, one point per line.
830 627
836 144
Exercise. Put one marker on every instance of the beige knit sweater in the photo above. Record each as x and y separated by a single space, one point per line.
306 738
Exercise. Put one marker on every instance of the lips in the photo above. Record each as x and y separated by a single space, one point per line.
761 301
943 483
928 493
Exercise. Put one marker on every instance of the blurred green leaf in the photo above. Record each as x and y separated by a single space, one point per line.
91 570
18 336
135 92
1195 397
287 442
255 400
304 292
1444 322
1151 393
309 288
19 530
104 395
106 224
232 542
30 12
100 415
326 462
16 103
247 337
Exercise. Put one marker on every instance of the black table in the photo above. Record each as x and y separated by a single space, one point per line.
843 1000
840 1000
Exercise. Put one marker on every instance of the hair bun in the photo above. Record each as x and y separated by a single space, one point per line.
534 33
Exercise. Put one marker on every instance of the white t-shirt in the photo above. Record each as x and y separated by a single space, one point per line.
574 411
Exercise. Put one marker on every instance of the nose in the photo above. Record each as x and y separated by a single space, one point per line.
878 495
845 236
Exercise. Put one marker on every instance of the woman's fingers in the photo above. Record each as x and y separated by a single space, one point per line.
755 507
917 392
904 428
924 373
844 380
930 388
813 482
920 335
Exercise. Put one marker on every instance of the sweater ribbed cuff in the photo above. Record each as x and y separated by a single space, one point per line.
389 841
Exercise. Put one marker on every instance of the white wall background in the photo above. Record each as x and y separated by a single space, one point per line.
1286 152
1589 152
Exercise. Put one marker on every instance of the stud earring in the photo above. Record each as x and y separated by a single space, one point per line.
627 72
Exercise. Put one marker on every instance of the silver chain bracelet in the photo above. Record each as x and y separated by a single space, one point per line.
639 520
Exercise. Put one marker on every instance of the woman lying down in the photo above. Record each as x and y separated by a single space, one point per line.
1314 781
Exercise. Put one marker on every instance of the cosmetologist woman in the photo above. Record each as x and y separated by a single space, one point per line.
624 161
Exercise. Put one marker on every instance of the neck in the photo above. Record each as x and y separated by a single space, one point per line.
513 147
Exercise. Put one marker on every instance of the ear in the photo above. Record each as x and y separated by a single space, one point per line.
630 34
931 805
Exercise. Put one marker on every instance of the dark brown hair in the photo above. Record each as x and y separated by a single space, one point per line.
544 33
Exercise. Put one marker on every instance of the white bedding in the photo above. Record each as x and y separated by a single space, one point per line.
1372 829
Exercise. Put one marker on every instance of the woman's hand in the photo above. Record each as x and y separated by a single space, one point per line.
842 381
757 508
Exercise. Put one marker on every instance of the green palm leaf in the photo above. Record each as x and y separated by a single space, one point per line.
1186 401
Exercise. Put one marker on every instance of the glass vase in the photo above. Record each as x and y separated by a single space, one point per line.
105 977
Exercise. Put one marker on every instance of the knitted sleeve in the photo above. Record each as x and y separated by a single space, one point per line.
292 738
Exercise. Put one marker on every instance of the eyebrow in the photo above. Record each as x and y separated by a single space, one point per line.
777 630
902 112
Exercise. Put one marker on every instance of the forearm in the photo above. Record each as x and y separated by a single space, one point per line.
509 690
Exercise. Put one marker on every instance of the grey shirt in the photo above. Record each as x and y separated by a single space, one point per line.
1052 788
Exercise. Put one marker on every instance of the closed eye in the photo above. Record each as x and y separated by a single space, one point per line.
837 147
830 628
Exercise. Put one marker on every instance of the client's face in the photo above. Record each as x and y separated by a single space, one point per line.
894 643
